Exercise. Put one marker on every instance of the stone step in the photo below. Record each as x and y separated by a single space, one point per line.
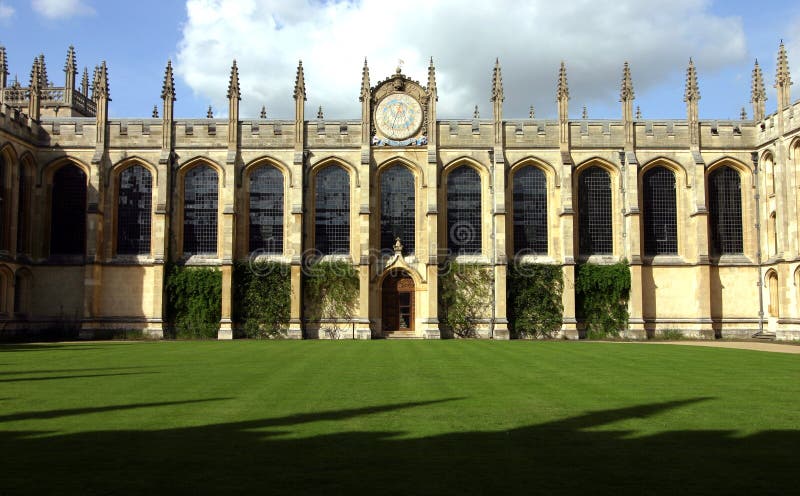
764 336
400 335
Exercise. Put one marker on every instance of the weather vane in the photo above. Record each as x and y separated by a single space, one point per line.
400 63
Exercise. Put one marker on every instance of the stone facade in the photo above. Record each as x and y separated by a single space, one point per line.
693 288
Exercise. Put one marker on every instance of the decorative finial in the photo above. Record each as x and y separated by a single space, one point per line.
757 91
85 82
70 67
692 93
743 114
398 246
233 83
320 115
626 92
103 90
432 77
531 113
563 89
497 83
155 111
168 88
400 63
585 113
43 69
3 62
210 113
36 75
638 113
365 89
263 112
782 76
476 114
300 83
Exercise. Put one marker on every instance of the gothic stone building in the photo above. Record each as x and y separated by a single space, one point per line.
93 207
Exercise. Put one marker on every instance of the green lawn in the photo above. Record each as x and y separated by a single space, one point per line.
391 417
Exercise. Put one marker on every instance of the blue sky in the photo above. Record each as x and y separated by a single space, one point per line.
268 36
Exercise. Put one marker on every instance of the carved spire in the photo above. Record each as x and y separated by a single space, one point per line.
320 115
85 82
476 113
692 93
70 67
626 92
531 113
300 83
585 113
431 77
3 68
36 74
638 113
210 113
562 92
233 83
155 111
34 102
94 83
364 96
263 112
743 114
497 83
103 89
783 80
758 95
168 88
43 70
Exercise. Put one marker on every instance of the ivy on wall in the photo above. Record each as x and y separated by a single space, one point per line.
331 293
602 293
194 301
535 308
465 292
262 298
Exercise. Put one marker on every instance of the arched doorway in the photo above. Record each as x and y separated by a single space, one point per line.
397 294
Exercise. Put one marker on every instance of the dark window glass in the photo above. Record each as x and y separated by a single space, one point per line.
464 211
397 208
660 212
266 210
68 216
596 227
332 206
530 211
134 211
725 211
200 212
22 212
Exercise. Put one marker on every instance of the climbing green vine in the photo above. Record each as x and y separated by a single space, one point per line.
331 294
602 293
535 308
465 292
194 300
262 298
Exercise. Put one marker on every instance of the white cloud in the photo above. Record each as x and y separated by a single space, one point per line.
6 11
593 37
61 9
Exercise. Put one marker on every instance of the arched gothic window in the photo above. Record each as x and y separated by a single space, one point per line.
397 208
595 212
332 211
68 214
266 210
464 211
23 205
772 286
200 211
530 210
134 211
660 212
2 200
725 211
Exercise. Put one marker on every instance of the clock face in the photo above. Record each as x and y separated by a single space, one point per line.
398 116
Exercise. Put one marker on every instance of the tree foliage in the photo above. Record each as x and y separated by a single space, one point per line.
535 307
194 301
602 293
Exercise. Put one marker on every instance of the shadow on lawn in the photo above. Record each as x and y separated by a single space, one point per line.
564 456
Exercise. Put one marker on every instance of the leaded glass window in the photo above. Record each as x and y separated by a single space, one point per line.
200 211
464 211
134 211
332 207
397 208
530 211
725 211
68 214
660 212
266 210
595 212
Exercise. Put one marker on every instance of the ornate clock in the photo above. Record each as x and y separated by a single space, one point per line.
398 116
